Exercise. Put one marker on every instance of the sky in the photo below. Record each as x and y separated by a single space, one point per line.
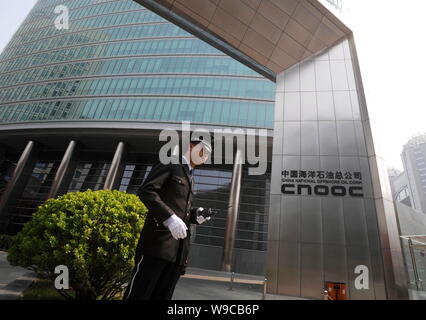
389 36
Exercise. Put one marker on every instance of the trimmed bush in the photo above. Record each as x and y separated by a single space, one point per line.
5 241
93 233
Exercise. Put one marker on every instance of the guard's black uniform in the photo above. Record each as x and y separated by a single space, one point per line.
160 259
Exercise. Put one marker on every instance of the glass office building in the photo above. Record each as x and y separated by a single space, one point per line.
120 61
119 74
83 108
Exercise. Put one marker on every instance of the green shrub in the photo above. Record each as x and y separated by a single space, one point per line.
5 241
93 233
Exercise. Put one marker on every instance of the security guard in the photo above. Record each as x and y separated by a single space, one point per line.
163 248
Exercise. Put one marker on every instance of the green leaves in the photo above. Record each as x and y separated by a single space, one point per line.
93 233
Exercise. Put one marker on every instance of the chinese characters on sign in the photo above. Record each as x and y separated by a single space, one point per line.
322 183
330 175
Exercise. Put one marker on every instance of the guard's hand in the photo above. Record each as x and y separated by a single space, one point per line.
176 226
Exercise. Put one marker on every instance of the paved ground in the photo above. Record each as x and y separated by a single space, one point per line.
13 280
197 289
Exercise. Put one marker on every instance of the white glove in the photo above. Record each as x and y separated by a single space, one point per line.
200 218
176 226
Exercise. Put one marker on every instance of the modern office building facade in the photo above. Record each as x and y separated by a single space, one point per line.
399 186
414 160
120 74
83 108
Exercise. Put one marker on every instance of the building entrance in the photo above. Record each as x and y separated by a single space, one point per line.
336 291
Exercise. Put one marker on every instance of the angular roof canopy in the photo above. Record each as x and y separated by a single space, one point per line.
269 36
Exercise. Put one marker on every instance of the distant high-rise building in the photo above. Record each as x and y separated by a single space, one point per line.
414 160
399 186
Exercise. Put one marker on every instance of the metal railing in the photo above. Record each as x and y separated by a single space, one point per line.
232 279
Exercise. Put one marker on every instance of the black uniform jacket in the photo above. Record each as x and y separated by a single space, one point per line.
167 190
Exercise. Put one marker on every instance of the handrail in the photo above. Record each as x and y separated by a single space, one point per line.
231 280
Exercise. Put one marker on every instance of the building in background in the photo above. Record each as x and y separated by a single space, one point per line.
399 186
119 75
83 108
414 161
412 225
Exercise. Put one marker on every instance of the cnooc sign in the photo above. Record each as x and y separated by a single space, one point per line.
322 183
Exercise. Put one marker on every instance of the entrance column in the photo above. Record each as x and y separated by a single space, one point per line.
65 171
233 206
115 172
2 154
18 181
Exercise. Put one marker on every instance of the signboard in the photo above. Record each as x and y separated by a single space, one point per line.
322 183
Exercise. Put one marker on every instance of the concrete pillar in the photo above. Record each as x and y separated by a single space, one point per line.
2 154
18 181
65 171
231 222
115 172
